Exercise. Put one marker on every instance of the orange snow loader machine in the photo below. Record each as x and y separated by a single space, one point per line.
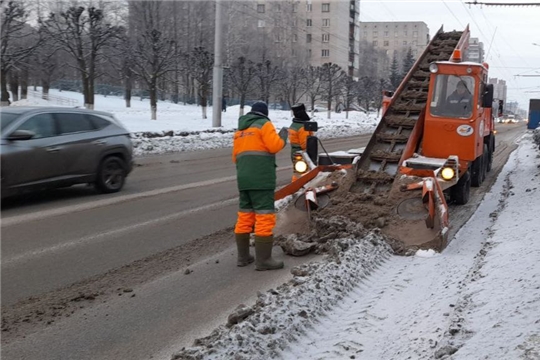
434 141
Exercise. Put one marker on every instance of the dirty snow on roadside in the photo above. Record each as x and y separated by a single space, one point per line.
479 299
181 128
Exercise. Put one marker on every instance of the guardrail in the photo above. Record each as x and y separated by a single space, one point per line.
58 100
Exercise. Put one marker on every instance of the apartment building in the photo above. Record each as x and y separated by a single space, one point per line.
475 51
321 30
499 89
396 37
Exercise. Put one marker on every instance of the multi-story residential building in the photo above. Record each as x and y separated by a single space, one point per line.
499 89
316 29
475 51
396 37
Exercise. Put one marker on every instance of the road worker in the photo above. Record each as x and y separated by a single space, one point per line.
255 145
297 134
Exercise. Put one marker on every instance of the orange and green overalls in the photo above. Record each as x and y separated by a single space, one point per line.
298 139
255 145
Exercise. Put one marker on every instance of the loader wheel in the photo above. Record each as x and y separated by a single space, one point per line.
477 171
491 152
461 192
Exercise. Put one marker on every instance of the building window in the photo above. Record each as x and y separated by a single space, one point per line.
309 22
386 34
325 37
326 7
309 7
295 38
260 8
295 8
309 52
326 22
261 24
375 43
325 53
308 38
375 34
277 38
415 43
295 22
405 33
396 34
278 7
415 33
386 43
404 42
293 52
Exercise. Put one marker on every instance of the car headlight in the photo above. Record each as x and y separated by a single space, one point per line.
433 68
447 173
300 166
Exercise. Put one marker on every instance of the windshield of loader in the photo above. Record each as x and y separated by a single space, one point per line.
453 96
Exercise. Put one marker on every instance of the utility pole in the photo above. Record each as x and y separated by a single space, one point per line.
217 94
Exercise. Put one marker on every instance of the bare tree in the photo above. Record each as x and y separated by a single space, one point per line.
201 71
292 85
350 91
153 49
331 77
17 43
368 91
240 76
82 33
267 76
313 83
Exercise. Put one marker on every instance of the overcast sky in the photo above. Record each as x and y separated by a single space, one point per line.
508 34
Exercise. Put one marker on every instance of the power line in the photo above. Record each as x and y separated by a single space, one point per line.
502 4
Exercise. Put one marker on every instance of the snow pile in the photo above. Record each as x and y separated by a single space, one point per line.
281 315
31 102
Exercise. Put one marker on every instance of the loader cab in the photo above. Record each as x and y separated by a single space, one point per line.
457 110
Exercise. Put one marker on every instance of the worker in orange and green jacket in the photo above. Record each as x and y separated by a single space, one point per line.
255 145
297 134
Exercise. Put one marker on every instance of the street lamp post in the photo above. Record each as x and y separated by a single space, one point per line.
218 69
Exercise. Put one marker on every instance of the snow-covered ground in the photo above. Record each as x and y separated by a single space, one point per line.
181 128
479 299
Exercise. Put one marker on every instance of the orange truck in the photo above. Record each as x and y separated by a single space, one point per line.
436 135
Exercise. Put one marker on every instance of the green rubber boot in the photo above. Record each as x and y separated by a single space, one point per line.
263 254
242 244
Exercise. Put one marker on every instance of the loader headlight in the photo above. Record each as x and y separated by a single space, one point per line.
447 173
433 68
300 166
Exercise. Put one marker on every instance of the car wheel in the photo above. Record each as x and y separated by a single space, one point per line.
111 175
477 171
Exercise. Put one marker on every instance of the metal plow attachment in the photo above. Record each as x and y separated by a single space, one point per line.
422 215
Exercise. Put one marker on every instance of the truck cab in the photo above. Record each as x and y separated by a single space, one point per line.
458 119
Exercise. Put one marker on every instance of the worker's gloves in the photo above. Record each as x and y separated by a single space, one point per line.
284 133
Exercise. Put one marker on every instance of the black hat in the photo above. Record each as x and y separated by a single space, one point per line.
260 107
299 112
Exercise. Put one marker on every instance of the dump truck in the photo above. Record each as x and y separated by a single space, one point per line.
434 142
534 114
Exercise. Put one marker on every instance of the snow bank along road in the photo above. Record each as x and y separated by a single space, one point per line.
68 254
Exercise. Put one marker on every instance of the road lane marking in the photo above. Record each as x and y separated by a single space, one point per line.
31 255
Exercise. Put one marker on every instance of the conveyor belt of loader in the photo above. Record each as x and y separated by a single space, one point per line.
378 165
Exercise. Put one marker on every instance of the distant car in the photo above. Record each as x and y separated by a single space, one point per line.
510 119
319 108
59 147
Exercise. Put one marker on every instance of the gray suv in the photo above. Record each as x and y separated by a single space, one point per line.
59 147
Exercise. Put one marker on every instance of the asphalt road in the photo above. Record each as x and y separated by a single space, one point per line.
51 244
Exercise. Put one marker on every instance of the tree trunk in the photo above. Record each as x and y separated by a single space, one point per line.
4 94
329 108
127 91
85 91
91 92
24 84
153 99
14 85
45 85
204 112
312 107
346 114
